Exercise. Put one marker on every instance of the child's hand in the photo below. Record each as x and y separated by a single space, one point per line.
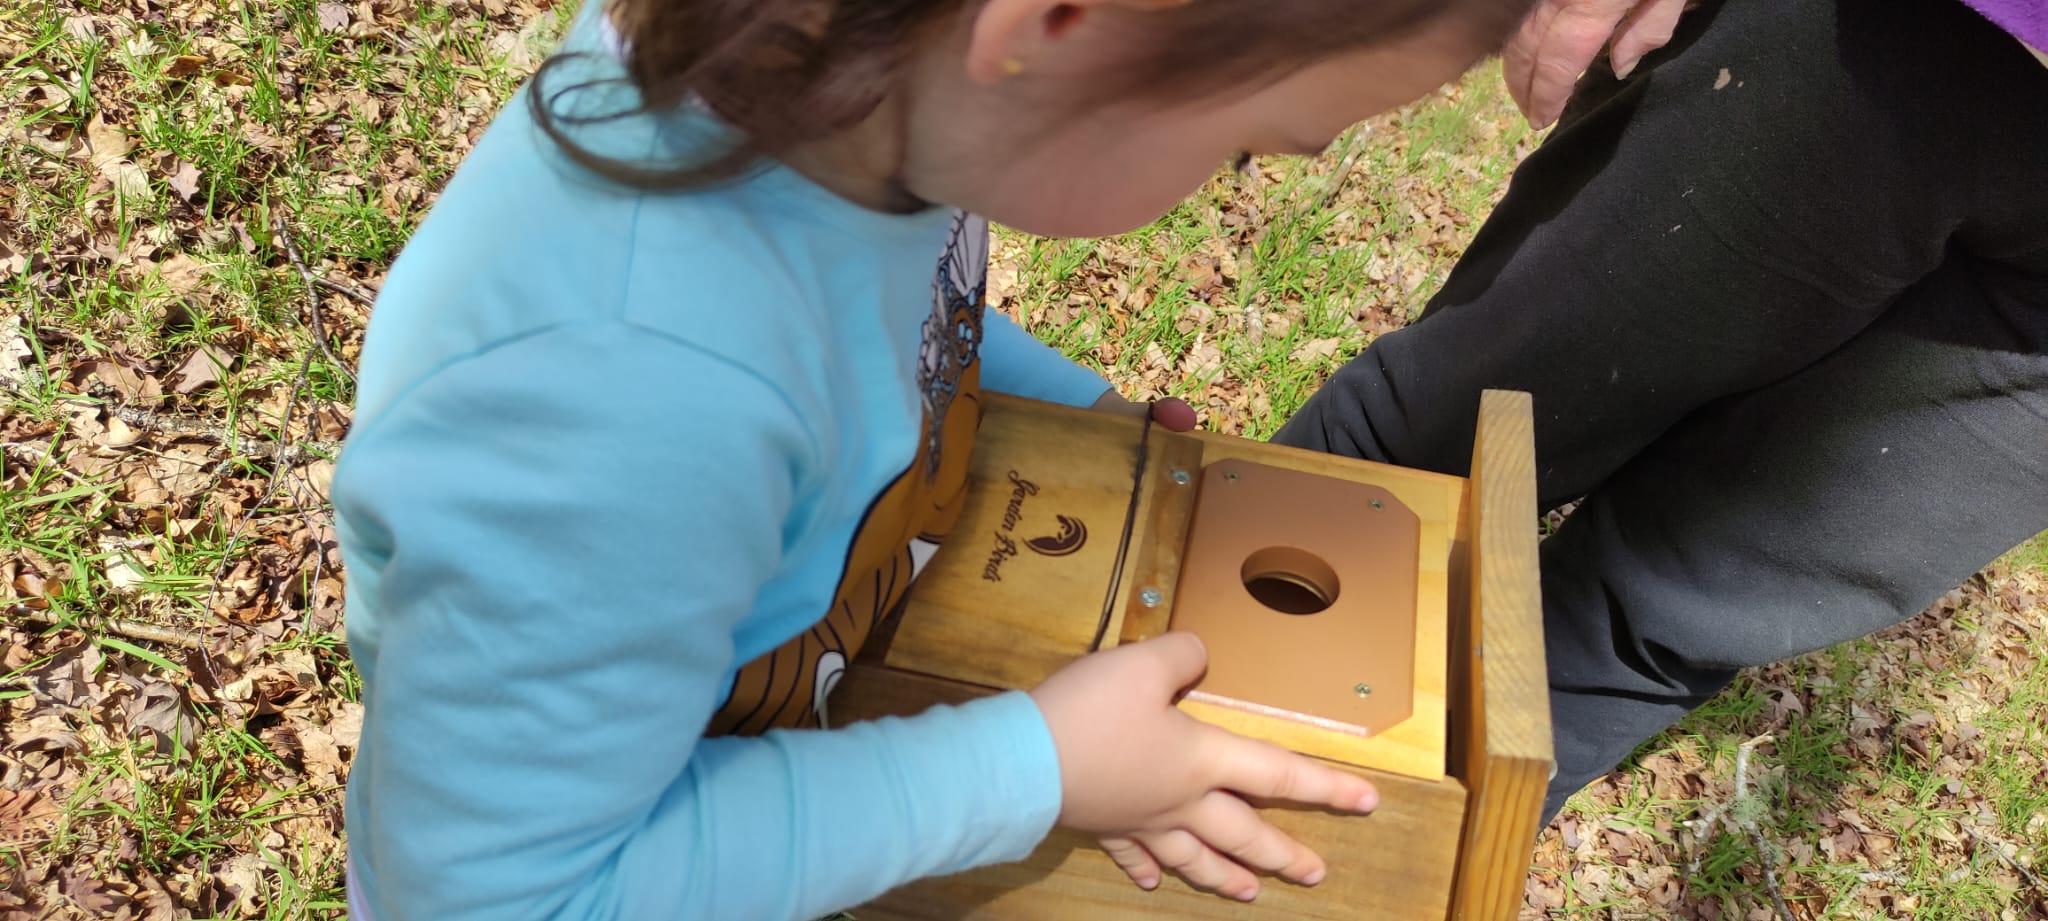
1162 788
1172 413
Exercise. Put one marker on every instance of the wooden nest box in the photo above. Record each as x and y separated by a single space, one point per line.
1383 619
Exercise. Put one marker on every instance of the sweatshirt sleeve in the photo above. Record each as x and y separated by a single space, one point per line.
1015 362
560 571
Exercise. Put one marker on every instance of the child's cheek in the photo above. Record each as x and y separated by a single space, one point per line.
1109 187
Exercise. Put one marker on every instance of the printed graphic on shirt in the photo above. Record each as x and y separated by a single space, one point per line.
902 527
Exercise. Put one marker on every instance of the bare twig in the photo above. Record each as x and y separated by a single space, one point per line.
2006 854
1747 823
16 381
1770 864
1342 174
132 629
1740 820
291 405
288 455
184 427
42 460
314 282
357 293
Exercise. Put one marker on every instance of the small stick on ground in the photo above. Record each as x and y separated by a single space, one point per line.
314 283
132 629
291 405
1736 819
41 459
288 455
1770 864
1342 174
2005 854
1749 827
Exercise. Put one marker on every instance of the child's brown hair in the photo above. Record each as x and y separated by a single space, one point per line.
786 72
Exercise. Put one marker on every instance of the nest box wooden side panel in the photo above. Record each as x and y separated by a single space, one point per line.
1396 864
1029 578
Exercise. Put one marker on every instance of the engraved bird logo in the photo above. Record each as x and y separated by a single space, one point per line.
1072 536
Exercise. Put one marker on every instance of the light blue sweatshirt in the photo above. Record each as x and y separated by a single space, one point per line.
609 447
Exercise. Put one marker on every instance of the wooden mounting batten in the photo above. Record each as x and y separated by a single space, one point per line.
1500 709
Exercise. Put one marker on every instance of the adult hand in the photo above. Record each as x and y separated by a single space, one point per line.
1172 414
1162 789
1561 37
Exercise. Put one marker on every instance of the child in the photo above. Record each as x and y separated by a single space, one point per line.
633 471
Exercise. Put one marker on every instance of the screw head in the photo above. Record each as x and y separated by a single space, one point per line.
1362 689
1150 597
1182 477
1230 474
1376 503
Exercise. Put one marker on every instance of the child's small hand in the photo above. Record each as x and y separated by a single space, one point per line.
1172 413
1162 788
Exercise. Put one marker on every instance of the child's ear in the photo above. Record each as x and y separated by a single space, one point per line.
1009 33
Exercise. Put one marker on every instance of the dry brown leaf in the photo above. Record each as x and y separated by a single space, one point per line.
161 708
156 901
96 897
144 490
123 574
15 350
20 808
1542 891
320 752
185 470
11 263
185 180
107 143
85 424
122 376
110 147
347 725
118 434
185 65
205 366
299 664
46 732
242 879
264 686
334 17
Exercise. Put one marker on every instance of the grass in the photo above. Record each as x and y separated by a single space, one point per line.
1249 294
178 704
1894 771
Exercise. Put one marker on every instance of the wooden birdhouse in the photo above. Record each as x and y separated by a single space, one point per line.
1383 619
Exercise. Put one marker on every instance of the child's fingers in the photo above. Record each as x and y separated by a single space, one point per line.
1200 864
1174 415
1232 826
1133 859
1173 661
1262 770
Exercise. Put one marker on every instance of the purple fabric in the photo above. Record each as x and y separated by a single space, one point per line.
2027 20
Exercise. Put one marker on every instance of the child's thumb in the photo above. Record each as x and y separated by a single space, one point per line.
1181 657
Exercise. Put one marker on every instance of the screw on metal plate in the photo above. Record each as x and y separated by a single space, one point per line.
1150 597
1362 689
1376 503
1182 477
1230 474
